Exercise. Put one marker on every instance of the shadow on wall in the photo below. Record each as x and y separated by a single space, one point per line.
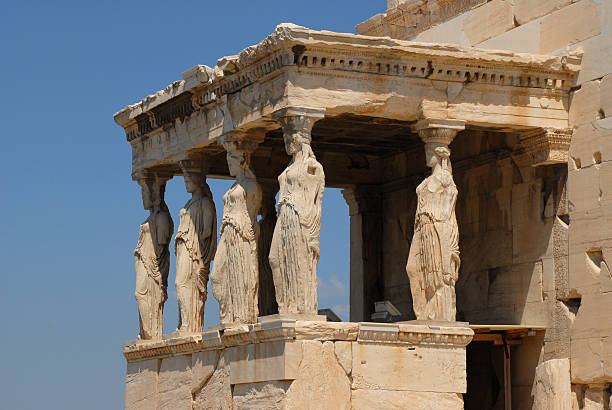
507 218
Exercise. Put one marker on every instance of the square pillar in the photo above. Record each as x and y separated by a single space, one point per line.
366 283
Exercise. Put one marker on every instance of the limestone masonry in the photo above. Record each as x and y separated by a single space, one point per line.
472 140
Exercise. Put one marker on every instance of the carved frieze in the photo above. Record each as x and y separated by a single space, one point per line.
544 146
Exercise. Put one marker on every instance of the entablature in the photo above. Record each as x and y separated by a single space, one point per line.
346 74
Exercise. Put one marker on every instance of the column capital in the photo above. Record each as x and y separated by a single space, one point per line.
298 119
363 199
196 165
438 130
315 113
241 141
152 175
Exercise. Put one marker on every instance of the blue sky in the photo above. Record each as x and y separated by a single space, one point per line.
70 212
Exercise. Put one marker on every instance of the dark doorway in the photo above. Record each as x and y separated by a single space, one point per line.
485 376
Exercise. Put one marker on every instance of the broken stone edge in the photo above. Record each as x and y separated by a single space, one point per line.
286 45
286 329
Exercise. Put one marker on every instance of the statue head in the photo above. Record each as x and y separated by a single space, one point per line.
147 196
193 174
193 181
436 153
294 141
239 157
152 191
238 162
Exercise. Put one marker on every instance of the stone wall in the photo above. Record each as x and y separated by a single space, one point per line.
507 218
302 365
560 250
535 26
590 231
513 243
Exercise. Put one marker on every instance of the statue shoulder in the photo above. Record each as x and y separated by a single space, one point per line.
313 162
314 167
424 183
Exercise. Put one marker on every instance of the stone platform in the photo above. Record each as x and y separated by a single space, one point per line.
289 364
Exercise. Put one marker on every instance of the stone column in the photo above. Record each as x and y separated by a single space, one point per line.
294 252
433 261
152 256
195 245
235 277
366 283
267 295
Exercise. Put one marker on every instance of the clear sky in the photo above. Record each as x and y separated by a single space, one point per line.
70 211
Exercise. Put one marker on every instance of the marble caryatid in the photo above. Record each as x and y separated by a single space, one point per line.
195 245
152 257
433 261
294 252
235 279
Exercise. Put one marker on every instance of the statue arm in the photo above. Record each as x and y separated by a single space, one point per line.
254 207
454 242
311 216
253 200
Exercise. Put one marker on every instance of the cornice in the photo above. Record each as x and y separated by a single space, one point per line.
331 54
171 345
418 334
544 146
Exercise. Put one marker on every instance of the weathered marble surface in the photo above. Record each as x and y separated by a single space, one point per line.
559 278
296 365
195 245
152 258
294 252
552 387
433 261
387 78
235 277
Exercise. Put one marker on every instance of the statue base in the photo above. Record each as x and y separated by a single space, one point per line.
288 363
433 323
292 316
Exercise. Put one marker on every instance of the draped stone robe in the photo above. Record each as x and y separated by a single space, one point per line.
433 261
294 252
235 277
194 252
152 262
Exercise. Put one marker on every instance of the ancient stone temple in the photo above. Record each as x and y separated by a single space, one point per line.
472 140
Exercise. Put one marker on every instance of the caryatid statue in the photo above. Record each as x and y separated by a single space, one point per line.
433 261
294 252
152 257
195 246
235 278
